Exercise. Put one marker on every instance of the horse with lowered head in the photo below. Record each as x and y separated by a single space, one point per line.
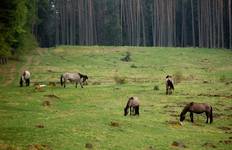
133 105
169 85
25 77
73 77
197 108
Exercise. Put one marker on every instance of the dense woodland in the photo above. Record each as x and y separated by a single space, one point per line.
192 23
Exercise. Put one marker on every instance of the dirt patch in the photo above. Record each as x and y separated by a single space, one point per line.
151 148
228 109
7 147
89 145
39 126
198 124
179 144
209 145
46 103
226 141
39 147
114 124
224 128
209 95
52 84
52 96
215 95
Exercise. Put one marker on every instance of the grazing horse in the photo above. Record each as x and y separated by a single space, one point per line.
25 77
197 108
133 104
73 77
169 85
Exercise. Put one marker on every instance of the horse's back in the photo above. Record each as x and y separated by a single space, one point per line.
71 76
135 102
200 107
26 74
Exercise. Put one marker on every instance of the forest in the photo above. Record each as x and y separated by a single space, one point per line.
162 23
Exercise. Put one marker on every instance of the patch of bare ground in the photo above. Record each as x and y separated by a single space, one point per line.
7 147
89 146
208 145
224 128
39 126
228 109
179 144
114 124
52 96
225 141
215 95
39 147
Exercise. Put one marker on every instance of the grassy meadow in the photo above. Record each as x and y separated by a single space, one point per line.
72 118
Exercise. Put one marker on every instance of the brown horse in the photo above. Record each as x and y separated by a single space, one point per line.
133 104
169 85
197 108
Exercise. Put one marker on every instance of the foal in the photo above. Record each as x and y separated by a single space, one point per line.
25 77
133 104
169 85
73 77
197 108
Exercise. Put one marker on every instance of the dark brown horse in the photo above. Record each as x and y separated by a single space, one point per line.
197 108
133 105
169 85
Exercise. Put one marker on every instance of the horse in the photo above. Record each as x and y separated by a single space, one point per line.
133 104
25 77
73 77
197 108
169 85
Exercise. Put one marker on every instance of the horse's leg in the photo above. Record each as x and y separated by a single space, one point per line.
207 115
81 84
76 84
21 82
137 108
29 82
191 116
64 83
130 110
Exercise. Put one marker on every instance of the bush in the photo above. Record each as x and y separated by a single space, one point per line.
156 88
120 80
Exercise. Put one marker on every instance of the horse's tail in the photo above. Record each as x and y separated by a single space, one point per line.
211 114
61 80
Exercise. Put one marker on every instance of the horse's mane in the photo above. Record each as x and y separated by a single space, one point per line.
186 108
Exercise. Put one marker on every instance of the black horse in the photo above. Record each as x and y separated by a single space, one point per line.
197 108
25 77
133 105
169 85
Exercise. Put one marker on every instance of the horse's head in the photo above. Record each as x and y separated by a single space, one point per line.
125 111
182 118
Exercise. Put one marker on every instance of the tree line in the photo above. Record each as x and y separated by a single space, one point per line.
182 23
196 23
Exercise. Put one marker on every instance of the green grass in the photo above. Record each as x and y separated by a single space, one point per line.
79 116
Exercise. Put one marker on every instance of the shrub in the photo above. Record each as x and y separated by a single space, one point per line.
156 88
